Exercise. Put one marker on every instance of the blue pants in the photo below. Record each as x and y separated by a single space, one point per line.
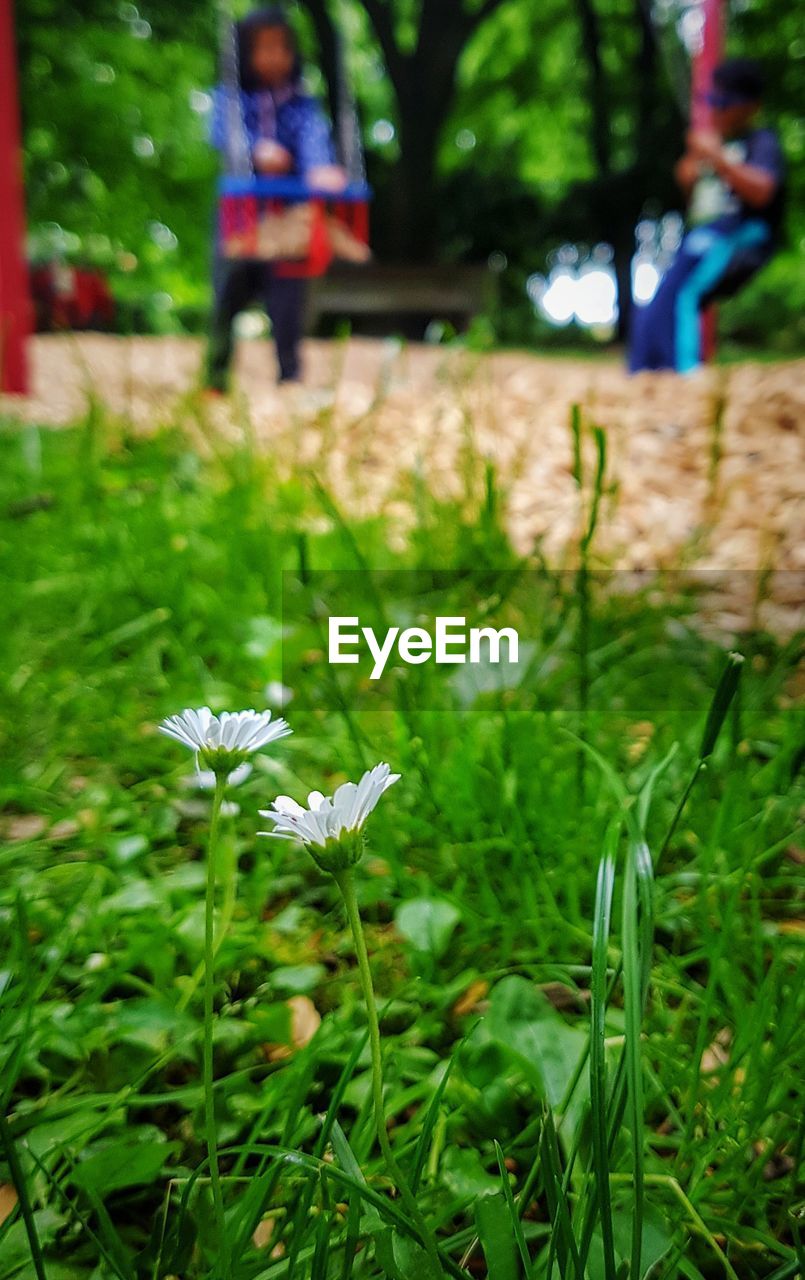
238 284
666 332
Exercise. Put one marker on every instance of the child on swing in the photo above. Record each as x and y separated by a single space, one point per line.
287 134
733 177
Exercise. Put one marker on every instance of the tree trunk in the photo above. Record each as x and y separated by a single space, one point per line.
600 124
331 67
414 196
622 264
424 83
646 69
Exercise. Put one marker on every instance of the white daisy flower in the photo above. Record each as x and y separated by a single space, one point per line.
331 828
223 742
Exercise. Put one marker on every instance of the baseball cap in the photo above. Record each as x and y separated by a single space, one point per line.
735 82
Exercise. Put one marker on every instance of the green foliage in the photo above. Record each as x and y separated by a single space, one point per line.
544 1040
428 924
118 171
549 135
769 312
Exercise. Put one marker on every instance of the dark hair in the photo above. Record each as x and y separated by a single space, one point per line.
246 30
740 79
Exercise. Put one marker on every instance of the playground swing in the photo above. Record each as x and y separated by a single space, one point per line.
705 49
281 219
706 57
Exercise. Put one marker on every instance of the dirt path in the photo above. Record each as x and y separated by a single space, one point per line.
374 415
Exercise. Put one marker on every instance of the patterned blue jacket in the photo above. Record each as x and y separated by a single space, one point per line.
287 116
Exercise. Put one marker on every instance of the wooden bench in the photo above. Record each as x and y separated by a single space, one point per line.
378 297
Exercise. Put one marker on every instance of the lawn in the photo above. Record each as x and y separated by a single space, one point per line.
582 900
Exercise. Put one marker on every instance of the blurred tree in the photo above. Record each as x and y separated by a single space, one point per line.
510 125
574 101
593 63
421 46
117 167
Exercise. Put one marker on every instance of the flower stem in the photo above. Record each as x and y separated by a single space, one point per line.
344 880
209 992
701 764
224 921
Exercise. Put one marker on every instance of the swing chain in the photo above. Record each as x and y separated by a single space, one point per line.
237 151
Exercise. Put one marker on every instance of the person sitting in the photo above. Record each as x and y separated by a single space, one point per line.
287 134
732 175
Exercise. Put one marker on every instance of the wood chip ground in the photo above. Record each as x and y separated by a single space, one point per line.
374 416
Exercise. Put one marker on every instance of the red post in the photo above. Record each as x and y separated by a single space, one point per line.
705 60
15 301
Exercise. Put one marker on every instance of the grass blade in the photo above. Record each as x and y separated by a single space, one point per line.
431 1116
514 1217
646 794
321 1253
563 1243
119 1266
633 1006
600 437
722 700
598 1076
21 1186
719 706
345 1155
645 895
575 431
297 1230
352 1236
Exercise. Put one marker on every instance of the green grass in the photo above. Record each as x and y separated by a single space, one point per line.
584 1063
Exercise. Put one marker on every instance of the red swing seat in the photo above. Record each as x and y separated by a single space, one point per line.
299 228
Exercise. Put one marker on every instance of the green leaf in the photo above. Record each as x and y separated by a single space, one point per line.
151 1024
463 1173
124 849
135 897
427 923
497 1237
384 1252
528 1027
411 1258
122 1163
319 1266
657 1241
16 1249
297 979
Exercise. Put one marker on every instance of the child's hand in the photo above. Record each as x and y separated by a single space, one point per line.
705 144
269 157
326 177
687 171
